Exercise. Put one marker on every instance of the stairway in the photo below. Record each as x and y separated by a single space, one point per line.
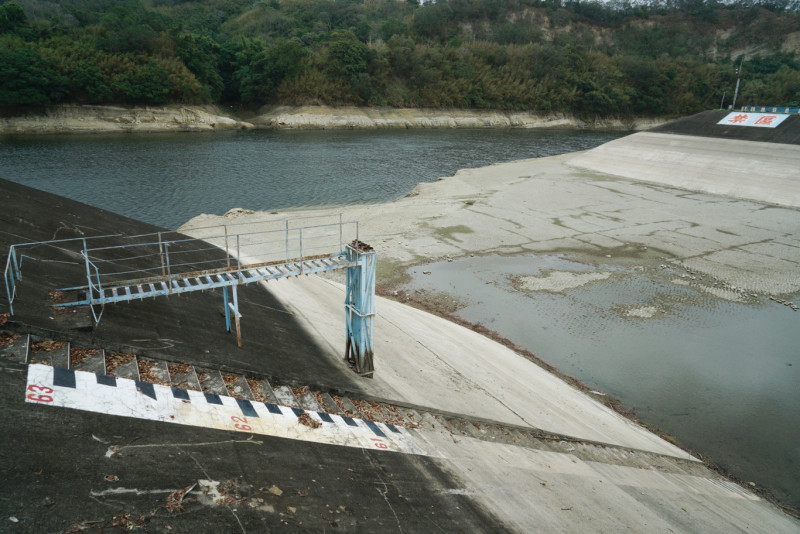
29 349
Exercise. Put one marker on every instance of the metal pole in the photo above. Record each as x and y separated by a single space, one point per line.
88 271
738 80
166 254
238 253
341 244
722 103
161 253
227 310
287 239
227 254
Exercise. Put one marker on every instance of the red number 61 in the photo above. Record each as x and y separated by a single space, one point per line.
35 393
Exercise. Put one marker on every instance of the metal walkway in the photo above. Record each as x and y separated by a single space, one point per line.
129 268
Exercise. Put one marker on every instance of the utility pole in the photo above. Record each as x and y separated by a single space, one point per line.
722 103
738 80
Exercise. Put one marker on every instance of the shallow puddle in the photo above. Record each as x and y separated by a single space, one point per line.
722 377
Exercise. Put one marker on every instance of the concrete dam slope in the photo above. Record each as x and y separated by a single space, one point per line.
699 154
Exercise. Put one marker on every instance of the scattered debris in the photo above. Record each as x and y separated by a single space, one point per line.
306 420
76 355
258 392
230 383
148 372
275 490
57 297
115 359
7 338
111 478
47 345
175 499
4 318
360 246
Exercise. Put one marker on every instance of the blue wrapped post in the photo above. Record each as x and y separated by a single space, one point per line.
359 307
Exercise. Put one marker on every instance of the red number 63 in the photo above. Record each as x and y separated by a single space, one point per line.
35 393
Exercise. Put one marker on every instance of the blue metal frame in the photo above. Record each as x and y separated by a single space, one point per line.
359 260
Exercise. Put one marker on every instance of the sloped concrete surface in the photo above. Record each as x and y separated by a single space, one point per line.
765 172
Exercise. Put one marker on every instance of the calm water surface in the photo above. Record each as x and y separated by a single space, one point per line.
721 377
166 179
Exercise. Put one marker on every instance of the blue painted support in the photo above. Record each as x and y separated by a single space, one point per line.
236 316
360 307
227 311
11 273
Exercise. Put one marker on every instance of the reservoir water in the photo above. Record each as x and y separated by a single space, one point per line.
735 400
166 179
720 377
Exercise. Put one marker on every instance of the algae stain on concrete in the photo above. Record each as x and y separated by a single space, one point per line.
448 233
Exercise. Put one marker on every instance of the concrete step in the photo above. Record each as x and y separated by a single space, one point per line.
348 408
154 371
286 397
237 386
88 360
329 405
14 347
184 376
211 381
122 365
411 416
429 422
46 351
267 392
306 399
366 409
73 317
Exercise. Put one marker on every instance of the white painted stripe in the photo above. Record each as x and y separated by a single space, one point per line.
126 400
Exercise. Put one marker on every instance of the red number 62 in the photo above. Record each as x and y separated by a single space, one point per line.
35 393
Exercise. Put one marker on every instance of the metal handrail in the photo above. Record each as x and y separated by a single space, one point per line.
111 266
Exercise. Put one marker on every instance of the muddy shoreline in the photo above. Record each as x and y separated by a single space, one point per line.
88 119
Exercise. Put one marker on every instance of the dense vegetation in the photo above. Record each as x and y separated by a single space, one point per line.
658 57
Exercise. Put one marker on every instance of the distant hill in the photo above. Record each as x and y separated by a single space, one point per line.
589 58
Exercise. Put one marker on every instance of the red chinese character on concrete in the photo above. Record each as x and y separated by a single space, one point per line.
738 118
766 120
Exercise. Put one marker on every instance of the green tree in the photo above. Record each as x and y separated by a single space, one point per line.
148 85
88 84
202 57
347 56
13 18
27 79
260 70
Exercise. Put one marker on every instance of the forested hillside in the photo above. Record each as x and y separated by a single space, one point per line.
652 57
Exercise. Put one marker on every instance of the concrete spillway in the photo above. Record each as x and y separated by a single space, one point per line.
698 154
